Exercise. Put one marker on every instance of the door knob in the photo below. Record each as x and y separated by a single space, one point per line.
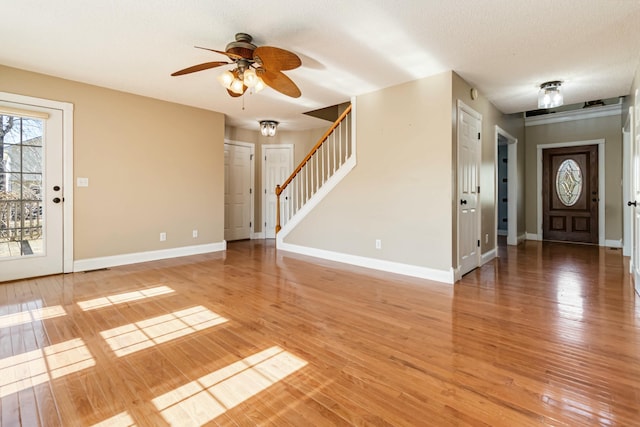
56 188
634 203
57 200
463 202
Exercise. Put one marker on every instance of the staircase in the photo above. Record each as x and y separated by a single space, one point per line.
327 163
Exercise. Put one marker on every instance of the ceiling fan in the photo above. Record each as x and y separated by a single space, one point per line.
255 67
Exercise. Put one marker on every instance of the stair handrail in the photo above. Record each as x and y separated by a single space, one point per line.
281 188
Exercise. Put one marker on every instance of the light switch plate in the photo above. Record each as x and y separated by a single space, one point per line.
83 182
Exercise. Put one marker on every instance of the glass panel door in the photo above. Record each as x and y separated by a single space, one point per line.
31 193
21 209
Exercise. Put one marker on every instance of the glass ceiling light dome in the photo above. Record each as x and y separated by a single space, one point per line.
268 127
549 95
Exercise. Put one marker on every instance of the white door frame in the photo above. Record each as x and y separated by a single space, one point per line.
252 179
464 107
266 147
67 166
512 187
601 183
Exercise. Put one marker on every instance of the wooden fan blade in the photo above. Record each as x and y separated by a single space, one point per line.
236 95
276 59
280 82
200 67
229 54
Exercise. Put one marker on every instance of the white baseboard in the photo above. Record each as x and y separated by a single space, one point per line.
258 235
457 274
375 264
521 238
607 243
134 258
488 256
613 243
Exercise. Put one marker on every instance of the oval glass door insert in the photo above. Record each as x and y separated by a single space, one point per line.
569 182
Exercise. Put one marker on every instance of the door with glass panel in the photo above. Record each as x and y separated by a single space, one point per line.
31 196
570 194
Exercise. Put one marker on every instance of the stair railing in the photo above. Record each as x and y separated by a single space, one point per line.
325 158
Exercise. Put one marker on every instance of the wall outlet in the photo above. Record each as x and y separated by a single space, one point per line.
378 244
163 236
195 234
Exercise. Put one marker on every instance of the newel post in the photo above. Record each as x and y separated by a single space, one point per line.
278 191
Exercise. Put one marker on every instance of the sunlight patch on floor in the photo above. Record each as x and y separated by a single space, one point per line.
31 315
208 397
26 370
137 336
123 419
107 301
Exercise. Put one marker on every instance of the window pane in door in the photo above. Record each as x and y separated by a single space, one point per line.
21 209
569 182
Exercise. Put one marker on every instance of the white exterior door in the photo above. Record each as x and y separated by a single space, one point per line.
277 166
238 191
468 200
31 191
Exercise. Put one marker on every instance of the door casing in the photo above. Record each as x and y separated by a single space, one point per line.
67 165
601 184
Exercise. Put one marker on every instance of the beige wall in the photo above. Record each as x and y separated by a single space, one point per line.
400 190
514 125
302 142
609 128
153 166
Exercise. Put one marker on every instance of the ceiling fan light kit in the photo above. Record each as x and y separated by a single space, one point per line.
255 67
549 95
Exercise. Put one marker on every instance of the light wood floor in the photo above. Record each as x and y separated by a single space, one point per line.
548 334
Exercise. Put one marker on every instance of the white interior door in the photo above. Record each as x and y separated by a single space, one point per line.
31 191
277 166
238 191
468 201
635 132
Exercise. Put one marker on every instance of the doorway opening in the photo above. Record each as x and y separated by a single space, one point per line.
506 221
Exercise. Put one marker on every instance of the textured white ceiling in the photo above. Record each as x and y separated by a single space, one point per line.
505 48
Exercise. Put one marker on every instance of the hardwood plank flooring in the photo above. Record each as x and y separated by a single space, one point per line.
546 334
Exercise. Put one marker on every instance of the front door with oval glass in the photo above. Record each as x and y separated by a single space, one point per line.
570 194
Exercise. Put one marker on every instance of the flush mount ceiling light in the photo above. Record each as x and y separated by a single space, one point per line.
549 95
268 127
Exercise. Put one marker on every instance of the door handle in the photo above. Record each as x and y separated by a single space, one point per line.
634 203
57 200
463 202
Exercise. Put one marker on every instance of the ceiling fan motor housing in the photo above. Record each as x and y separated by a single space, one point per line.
242 46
